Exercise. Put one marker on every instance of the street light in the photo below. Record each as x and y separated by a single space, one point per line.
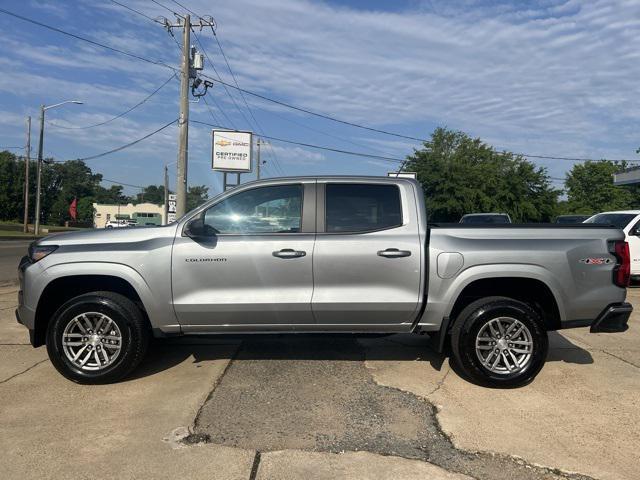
44 108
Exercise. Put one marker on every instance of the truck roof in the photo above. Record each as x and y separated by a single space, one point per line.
337 177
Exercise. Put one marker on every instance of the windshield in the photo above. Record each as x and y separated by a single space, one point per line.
485 219
618 220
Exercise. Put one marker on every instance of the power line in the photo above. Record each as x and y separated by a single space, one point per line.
221 110
310 112
121 183
136 11
118 149
278 102
117 116
577 159
233 100
319 147
167 8
84 39
331 135
328 117
235 80
219 77
185 8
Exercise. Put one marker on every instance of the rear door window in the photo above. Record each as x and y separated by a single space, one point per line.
357 207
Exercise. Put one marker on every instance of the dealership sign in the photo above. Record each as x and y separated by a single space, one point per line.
231 151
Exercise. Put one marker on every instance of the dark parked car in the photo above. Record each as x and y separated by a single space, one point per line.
486 218
571 218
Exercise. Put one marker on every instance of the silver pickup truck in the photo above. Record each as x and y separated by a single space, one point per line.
322 254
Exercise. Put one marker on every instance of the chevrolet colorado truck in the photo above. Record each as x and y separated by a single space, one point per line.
322 254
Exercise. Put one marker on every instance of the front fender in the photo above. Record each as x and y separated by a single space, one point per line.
156 303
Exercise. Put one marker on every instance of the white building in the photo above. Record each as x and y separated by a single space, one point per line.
142 213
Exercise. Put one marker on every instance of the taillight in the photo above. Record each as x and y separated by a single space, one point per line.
622 271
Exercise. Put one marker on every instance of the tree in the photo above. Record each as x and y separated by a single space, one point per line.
12 185
64 182
462 175
196 196
152 194
112 195
590 188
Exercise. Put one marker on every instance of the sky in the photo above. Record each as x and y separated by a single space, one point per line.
540 77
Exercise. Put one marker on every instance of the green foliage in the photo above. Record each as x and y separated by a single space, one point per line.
112 195
590 188
61 183
12 186
152 194
196 196
462 175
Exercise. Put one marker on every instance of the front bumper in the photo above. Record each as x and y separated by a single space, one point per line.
20 317
613 319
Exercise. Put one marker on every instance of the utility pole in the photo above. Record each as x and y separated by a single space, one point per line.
258 162
191 63
166 194
36 228
183 121
27 160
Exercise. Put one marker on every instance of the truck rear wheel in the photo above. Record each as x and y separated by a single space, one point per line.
500 342
98 337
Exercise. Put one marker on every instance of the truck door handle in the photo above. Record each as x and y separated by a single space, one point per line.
289 253
393 253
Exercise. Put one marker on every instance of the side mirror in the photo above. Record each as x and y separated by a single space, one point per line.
196 228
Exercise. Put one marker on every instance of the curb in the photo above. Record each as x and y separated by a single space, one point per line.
7 238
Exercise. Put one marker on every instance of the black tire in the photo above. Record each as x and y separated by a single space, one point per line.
474 317
124 313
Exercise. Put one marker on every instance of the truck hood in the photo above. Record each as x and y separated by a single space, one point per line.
109 235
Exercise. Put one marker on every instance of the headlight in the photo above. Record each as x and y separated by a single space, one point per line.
38 252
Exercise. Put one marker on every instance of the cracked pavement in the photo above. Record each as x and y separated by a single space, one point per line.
323 407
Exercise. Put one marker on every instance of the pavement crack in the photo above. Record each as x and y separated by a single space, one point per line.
315 394
24 371
440 382
602 350
255 465
196 419
620 358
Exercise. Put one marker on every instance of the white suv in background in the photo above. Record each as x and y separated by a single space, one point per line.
116 224
629 222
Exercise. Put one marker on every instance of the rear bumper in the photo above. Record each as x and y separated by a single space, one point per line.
613 319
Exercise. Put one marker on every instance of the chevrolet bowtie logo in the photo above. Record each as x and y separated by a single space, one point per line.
223 143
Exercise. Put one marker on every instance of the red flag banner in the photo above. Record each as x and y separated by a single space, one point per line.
73 208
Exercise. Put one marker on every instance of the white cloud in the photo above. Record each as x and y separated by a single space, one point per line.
558 78
295 155
566 70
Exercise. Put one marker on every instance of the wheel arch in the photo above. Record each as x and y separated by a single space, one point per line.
529 283
65 287
532 291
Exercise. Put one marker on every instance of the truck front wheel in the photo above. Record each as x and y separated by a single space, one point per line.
499 342
98 337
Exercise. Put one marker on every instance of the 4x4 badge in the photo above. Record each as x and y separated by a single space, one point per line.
595 261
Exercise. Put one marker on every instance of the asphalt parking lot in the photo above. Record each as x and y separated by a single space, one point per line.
321 407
